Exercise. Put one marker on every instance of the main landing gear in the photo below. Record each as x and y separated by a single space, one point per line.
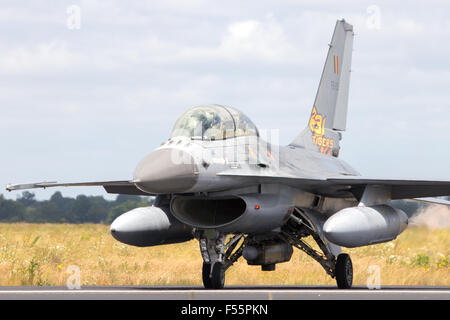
344 271
221 251
337 265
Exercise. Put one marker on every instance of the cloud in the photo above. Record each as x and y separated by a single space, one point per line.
43 58
410 27
247 40
98 98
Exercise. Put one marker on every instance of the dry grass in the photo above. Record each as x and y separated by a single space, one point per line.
39 254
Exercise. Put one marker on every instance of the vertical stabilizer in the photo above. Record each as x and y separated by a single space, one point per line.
329 113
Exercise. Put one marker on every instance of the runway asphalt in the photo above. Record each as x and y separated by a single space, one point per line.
229 293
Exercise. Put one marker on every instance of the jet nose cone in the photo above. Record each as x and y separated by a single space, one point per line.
166 171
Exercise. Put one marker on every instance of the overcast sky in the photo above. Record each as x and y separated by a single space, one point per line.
87 88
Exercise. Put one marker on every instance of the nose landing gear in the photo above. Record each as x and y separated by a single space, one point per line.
213 276
218 256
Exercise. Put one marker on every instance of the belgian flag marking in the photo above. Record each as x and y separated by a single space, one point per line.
336 64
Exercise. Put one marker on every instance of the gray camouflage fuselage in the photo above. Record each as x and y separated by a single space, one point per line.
186 171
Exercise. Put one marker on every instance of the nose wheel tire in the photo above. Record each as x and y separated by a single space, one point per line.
215 278
344 271
206 271
218 275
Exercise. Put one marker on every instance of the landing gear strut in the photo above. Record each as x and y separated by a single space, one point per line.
339 267
218 255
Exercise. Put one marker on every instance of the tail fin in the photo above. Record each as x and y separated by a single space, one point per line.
329 113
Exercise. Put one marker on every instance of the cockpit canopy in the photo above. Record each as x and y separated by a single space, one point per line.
213 122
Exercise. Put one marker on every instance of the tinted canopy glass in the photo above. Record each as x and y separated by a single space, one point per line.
213 122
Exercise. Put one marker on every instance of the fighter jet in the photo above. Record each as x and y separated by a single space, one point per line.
217 179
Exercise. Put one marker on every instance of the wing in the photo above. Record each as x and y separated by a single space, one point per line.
117 187
353 185
399 188
433 201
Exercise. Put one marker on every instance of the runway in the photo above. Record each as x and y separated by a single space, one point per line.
229 293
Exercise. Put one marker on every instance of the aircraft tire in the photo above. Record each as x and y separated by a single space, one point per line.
218 276
206 271
344 271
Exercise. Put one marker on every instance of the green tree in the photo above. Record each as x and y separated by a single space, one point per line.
49 212
121 208
121 198
79 210
64 205
27 198
10 210
59 209
97 212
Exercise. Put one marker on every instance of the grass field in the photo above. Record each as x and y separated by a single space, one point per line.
40 254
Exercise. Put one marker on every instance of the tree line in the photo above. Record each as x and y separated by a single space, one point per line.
96 209
59 209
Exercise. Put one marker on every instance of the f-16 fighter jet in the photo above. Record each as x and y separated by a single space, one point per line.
218 180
